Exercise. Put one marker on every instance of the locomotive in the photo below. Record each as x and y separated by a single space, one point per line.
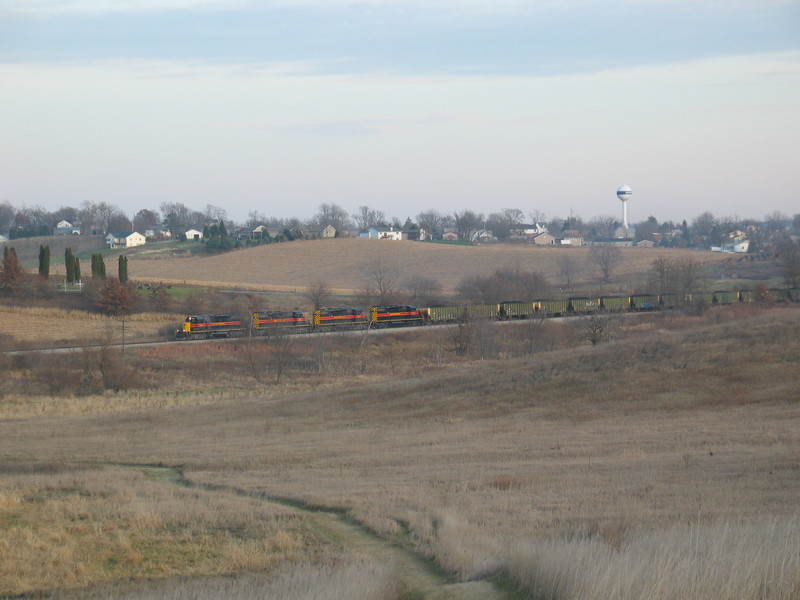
401 315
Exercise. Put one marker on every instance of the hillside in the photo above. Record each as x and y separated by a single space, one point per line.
342 263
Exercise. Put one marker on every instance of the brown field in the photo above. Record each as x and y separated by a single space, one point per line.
53 327
294 266
664 464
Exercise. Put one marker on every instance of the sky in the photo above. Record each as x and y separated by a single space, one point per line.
405 106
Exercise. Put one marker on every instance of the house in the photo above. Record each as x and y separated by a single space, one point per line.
319 231
66 228
450 236
645 244
157 232
483 236
382 233
739 247
125 239
193 234
544 239
529 231
571 237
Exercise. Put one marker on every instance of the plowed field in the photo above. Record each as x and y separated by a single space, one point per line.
342 263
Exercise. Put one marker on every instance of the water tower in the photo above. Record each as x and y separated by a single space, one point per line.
624 193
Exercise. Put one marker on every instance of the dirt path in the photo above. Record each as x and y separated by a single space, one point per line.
421 578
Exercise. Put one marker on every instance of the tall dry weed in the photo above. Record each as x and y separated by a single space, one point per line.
738 561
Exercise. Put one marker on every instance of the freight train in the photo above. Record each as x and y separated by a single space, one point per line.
401 315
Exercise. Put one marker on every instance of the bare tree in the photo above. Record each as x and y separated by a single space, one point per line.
424 290
789 261
7 212
689 276
467 223
318 293
504 222
606 258
383 275
144 220
662 275
367 217
603 227
255 218
332 214
568 268
433 222
537 216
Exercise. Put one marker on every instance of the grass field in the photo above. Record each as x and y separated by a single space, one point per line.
664 464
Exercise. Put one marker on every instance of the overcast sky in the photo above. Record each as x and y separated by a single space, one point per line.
403 105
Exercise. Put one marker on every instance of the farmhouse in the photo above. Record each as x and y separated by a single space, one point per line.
126 239
387 233
66 228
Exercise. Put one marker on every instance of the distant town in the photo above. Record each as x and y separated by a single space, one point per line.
211 225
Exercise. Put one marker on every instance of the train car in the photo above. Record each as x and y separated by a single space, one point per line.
615 303
584 305
395 314
645 302
443 314
780 294
700 299
667 301
517 310
208 326
553 308
748 296
269 320
341 318
482 311
726 297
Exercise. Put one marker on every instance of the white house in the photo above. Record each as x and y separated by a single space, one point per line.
193 234
381 233
126 239
739 247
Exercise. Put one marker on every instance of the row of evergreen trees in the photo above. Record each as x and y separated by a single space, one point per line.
73 265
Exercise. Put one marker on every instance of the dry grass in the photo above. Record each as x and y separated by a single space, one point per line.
602 464
67 528
33 325
292 267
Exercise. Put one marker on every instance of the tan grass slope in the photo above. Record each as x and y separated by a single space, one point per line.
342 263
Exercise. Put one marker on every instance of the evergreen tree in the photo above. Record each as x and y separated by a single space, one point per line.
221 231
44 261
98 266
123 269
76 268
69 264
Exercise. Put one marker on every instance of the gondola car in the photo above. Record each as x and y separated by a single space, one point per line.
584 305
208 326
726 297
553 308
396 314
443 314
645 302
615 303
517 310
341 318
